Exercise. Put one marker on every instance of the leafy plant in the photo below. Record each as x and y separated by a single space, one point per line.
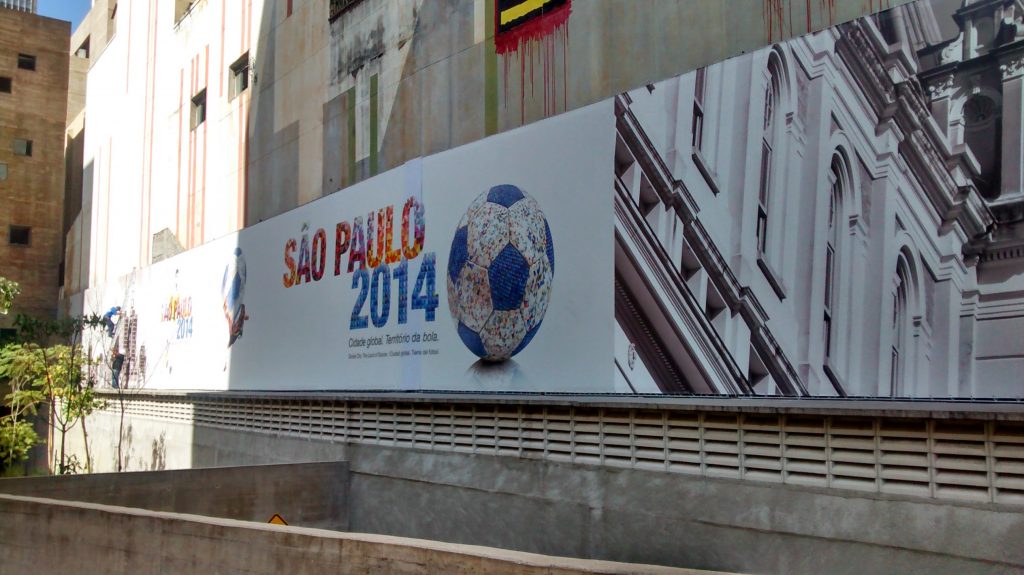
42 372
9 289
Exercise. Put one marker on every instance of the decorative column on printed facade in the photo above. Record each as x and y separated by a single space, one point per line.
1011 69
940 98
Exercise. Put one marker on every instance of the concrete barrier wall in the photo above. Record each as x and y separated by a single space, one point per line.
629 514
44 536
308 494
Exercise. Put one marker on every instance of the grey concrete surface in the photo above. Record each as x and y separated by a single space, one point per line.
931 408
627 515
44 536
306 494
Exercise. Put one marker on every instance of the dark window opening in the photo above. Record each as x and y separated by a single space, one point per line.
198 109
22 147
697 129
19 235
336 7
239 76
83 50
5 85
26 62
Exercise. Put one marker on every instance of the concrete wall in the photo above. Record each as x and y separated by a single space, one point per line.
331 102
106 539
308 494
623 514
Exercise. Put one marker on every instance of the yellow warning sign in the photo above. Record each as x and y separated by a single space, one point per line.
277 520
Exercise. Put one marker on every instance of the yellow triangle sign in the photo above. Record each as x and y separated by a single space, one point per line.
277 520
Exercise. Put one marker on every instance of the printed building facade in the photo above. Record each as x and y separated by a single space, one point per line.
847 226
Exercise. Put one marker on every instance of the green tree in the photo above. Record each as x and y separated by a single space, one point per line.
62 379
9 290
47 368
21 370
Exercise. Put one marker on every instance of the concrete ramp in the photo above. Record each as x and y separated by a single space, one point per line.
306 494
43 536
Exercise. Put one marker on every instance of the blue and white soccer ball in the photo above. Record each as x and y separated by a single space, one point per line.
500 272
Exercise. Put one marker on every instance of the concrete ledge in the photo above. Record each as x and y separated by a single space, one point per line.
924 408
49 536
307 494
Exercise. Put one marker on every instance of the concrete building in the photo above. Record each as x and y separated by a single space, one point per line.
799 215
209 116
20 5
33 110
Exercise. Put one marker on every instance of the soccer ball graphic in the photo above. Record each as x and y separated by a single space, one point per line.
500 272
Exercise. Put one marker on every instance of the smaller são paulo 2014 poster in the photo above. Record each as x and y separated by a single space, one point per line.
484 268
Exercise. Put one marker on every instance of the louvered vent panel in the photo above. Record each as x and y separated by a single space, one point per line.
762 448
721 445
1007 445
853 453
958 459
683 437
617 431
904 457
805 450
587 437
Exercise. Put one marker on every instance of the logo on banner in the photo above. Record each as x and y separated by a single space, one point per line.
500 271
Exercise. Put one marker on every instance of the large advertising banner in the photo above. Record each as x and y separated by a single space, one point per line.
483 268
838 215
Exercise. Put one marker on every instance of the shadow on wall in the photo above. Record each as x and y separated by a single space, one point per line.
272 157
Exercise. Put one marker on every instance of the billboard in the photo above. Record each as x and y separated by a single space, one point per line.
483 268
837 215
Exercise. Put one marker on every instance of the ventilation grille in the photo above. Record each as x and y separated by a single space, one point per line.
962 460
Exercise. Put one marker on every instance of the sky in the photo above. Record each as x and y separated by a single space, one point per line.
70 10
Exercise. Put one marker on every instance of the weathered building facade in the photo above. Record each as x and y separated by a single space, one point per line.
209 116
33 105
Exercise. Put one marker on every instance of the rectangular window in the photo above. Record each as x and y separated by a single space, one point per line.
762 231
198 109
26 62
830 255
22 147
762 197
766 173
19 235
239 77
697 129
894 370
3 172
5 85
829 265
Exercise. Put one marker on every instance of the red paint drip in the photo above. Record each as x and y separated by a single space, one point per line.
536 41
778 16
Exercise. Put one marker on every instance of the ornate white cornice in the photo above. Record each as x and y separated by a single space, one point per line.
1012 68
941 88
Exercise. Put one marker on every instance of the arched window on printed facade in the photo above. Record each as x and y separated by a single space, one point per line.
902 299
840 184
771 131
